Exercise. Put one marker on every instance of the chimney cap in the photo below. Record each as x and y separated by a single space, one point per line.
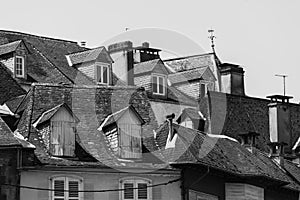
277 97
170 117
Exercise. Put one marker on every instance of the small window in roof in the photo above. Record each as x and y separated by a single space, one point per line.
102 74
20 67
158 84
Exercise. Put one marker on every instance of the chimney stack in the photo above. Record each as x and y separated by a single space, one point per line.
277 152
170 119
232 79
279 120
249 140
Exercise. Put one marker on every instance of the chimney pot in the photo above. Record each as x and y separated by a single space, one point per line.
83 43
248 140
146 44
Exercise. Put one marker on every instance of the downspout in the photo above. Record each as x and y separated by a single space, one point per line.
183 191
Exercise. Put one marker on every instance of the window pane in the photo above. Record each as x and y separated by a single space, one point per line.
142 191
154 84
99 74
73 188
128 192
105 75
59 186
161 85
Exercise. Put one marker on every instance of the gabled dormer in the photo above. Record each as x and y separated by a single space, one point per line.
58 128
194 82
152 75
95 63
14 55
192 118
123 130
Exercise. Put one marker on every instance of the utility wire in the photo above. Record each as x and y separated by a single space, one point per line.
90 191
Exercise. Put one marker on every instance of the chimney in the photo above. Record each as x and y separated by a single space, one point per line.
277 152
279 120
122 54
83 43
170 122
146 44
248 140
232 79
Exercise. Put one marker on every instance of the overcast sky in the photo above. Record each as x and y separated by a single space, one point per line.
262 36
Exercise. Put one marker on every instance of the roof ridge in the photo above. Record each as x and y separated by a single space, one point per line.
38 36
83 51
84 86
188 70
184 57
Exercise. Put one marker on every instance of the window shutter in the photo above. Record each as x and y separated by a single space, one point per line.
142 191
128 191
57 138
59 186
73 190
69 139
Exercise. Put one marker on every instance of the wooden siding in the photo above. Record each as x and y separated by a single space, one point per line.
88 69
62 133
130 135
143 81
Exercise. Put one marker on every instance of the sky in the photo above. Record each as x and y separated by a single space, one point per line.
261 36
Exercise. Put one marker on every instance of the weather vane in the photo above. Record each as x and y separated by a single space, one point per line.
283 76
212 37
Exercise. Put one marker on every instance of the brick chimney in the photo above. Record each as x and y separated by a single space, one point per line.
279 120
232 79
248 140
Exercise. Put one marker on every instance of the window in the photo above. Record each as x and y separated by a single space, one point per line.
158 85
66 188
102 74
62 138
194 195
203 89
135 188
19 70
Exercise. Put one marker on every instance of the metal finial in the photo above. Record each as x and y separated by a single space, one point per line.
283 76
212 37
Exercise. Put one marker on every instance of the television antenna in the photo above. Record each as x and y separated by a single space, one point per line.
283 77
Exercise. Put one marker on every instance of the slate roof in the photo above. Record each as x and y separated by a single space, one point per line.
7 138
220 153
188 75
190 112
192 62
9 88
89 55
46 60
9 47
91 104
147 66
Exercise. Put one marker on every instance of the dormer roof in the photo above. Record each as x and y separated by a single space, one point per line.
9 47
192 74
150 66
99 53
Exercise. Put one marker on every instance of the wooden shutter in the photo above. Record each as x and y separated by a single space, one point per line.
142 191
59 187
57 139
128 191
161 85
136 141
73 187
69 138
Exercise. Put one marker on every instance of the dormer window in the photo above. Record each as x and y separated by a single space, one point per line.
158 84
123 129
60 123
102 74
19 67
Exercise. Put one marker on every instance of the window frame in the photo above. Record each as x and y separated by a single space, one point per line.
135 181
66 179
100 66
22 67
157 84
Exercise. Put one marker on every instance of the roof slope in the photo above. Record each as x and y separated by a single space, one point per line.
89 55
47 59
148 66
91 105
189 75
220 153
9 88
9 47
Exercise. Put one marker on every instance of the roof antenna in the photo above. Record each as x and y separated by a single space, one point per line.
283 76
126 29
212 37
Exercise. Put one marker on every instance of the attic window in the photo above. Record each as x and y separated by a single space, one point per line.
66 188
102 74
19 69
123 130
135 188
158 84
